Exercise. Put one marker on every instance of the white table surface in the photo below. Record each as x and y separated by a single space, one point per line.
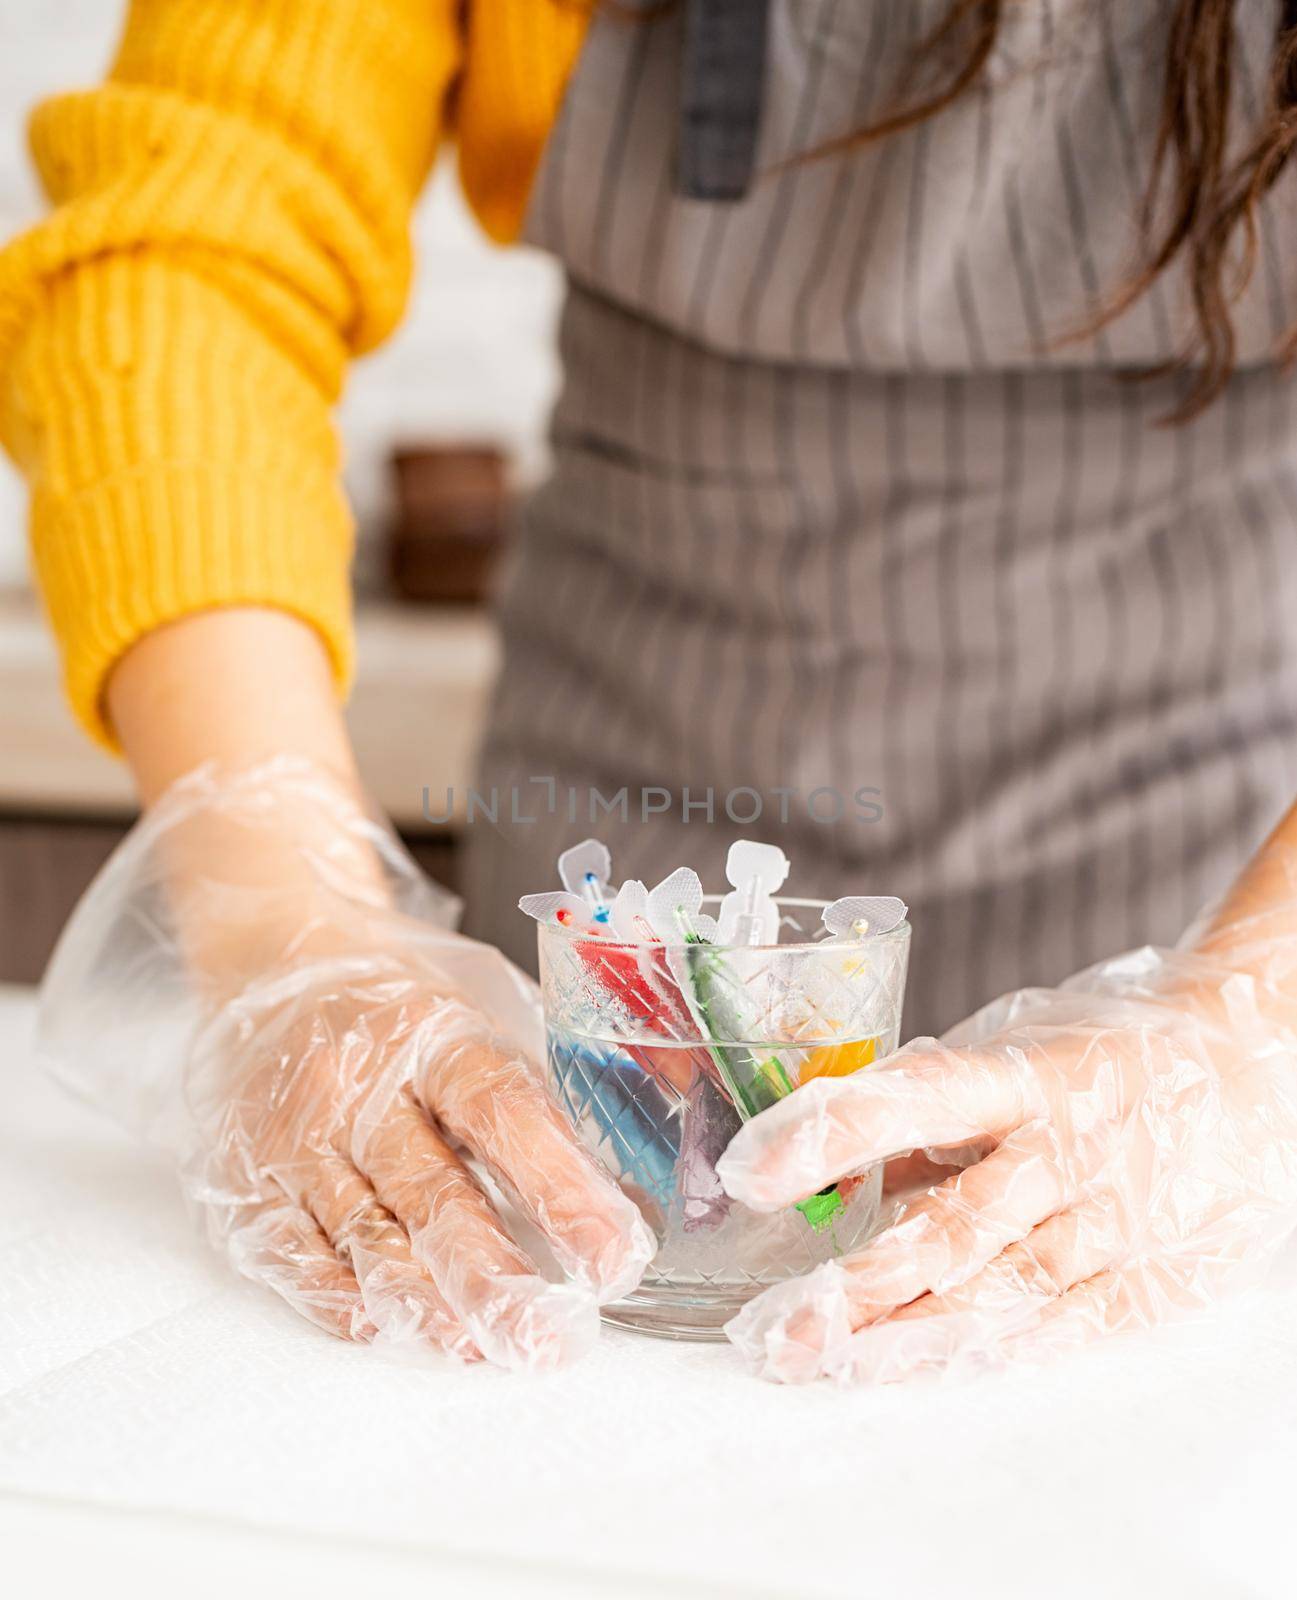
166 1428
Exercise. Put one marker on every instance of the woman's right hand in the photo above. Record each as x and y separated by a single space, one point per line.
258 982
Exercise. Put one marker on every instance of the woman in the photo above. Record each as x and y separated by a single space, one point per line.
854 494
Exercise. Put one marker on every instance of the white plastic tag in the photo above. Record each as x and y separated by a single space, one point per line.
584 870
856 916
749 915
548 906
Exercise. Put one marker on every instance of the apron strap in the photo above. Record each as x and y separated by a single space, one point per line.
721 81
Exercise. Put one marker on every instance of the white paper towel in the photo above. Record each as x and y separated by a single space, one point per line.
136 1372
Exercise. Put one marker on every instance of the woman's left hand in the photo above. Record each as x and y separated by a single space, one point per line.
1131 1150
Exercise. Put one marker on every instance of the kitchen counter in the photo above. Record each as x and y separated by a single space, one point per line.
416 714
164 1422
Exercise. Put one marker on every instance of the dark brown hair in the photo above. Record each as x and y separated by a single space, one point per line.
1206 200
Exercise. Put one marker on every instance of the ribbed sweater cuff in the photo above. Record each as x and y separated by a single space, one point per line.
135 551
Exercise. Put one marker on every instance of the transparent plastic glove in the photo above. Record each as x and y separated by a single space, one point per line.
1130 1142
262 983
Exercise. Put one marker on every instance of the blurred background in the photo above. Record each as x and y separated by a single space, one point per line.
443 429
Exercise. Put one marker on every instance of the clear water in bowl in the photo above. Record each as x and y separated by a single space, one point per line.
656 1119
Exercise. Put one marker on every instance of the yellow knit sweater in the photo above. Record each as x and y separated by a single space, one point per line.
230 225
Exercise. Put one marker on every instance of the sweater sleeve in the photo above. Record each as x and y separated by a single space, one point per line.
230 224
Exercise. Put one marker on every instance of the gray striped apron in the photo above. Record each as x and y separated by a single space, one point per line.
833 511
